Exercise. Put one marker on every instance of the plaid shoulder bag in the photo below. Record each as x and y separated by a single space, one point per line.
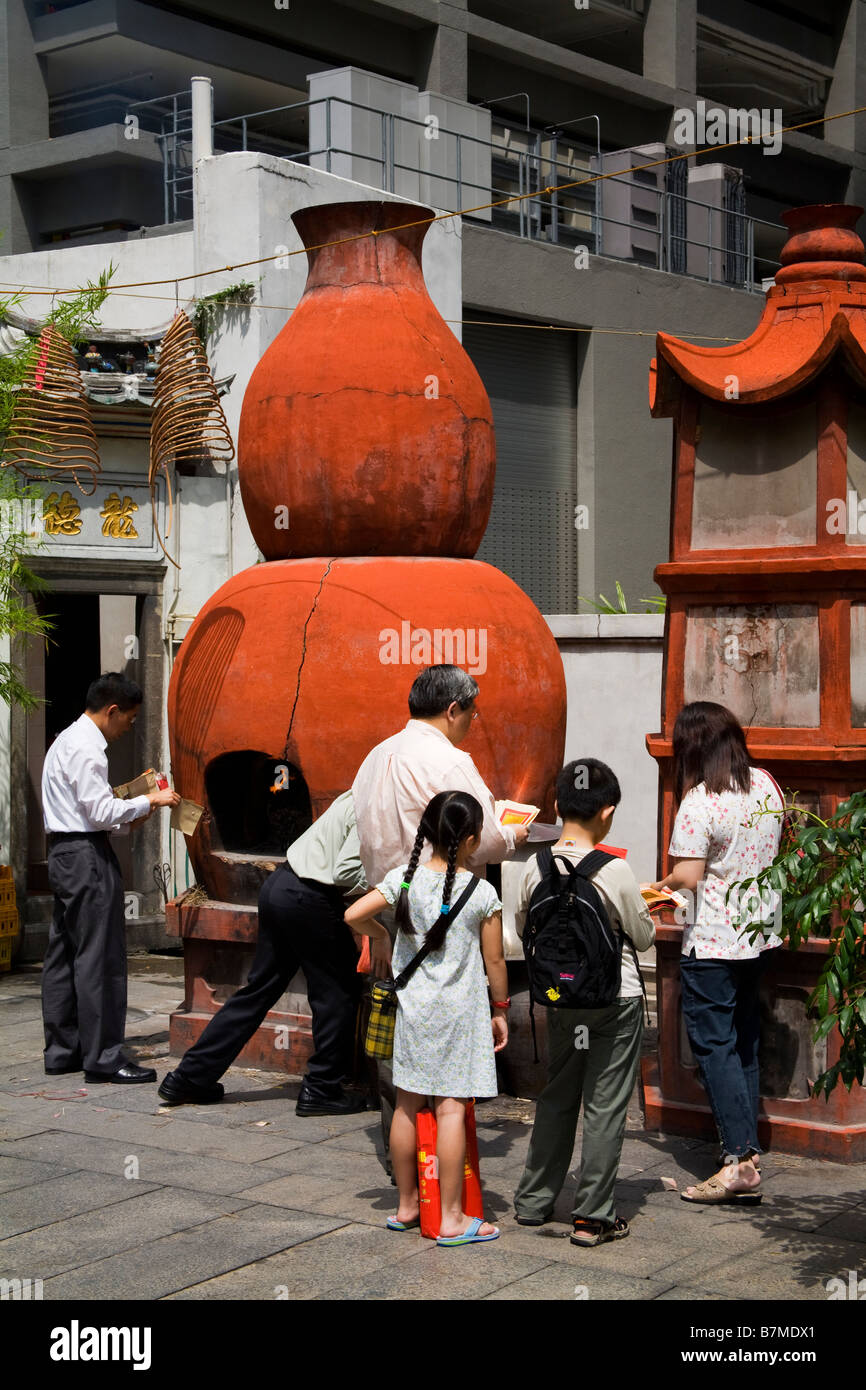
379 1040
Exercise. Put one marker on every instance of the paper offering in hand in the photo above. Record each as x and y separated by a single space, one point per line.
186 816
139 786
658 898
515 813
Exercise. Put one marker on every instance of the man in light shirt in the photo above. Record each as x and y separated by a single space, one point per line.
396 781
84 973
403 773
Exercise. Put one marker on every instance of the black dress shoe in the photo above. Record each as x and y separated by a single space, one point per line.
349 1103
176 1091
125 1075
531 1220
63 1071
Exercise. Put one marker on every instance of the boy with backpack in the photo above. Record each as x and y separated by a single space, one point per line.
581 916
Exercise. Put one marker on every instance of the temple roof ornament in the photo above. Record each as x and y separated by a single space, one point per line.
815 308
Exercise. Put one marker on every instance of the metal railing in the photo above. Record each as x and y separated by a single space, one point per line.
453 171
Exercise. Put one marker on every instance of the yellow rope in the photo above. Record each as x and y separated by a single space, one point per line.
445 216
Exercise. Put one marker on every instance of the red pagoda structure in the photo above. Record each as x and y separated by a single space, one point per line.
366 460
766 588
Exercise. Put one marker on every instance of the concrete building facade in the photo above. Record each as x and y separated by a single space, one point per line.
564 264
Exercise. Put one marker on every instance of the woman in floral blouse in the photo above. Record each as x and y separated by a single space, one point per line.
719 839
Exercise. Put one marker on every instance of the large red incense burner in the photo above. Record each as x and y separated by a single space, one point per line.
366 463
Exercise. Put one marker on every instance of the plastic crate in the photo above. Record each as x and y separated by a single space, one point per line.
6 953
7 889
8 923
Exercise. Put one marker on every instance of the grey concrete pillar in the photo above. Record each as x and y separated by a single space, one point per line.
847 91
23 116
202 118
670 43
201 90
444 64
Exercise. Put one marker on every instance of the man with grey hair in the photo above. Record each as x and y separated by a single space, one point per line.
399 777
403 773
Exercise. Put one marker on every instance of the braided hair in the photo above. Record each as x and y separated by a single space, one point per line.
448 820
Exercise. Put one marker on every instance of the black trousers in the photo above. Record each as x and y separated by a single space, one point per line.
84 973
300 926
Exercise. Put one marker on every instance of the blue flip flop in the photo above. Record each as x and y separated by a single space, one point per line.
470 1236
394 1225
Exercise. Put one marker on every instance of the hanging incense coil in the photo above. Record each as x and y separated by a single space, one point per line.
188 422
51 429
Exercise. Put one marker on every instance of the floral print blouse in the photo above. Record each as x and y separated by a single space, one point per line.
715 827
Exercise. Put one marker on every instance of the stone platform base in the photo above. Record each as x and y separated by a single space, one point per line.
812 1139
275 1046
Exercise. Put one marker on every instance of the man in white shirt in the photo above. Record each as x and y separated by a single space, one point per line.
84 973
396 781
403 773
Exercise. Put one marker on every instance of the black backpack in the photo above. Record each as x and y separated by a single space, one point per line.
573 954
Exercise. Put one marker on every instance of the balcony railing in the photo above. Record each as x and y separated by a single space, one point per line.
513 182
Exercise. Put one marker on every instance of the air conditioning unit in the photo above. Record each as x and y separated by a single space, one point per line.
633 207
717 225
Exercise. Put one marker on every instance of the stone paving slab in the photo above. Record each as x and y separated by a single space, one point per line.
123 1227
337 1165
174 1262
178 1136
679 1294
441 1274
367 1203
155 1165
43 1203
245 1200
783 1264
579 1286
313 1269
18 1173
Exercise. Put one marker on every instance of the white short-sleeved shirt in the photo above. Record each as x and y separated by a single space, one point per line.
713 826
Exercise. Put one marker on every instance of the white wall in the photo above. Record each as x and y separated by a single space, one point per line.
613 671
146 310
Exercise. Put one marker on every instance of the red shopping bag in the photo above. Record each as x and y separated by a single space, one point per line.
428 1172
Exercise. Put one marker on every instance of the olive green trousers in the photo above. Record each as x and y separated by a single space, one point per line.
593 1061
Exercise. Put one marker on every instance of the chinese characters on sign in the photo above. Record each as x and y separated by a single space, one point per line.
61 515
117 517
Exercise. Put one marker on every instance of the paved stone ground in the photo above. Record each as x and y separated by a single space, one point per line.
244 1200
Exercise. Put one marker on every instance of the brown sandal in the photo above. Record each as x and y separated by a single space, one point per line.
588 1232
714 1193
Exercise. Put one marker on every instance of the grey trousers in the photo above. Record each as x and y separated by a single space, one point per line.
596 1067
84 973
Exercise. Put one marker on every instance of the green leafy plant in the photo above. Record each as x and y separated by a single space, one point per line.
820 875
604 605
74 316
210 308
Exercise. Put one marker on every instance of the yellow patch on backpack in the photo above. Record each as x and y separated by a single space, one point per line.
553 995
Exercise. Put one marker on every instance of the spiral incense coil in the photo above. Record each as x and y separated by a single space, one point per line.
51 428
188 422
